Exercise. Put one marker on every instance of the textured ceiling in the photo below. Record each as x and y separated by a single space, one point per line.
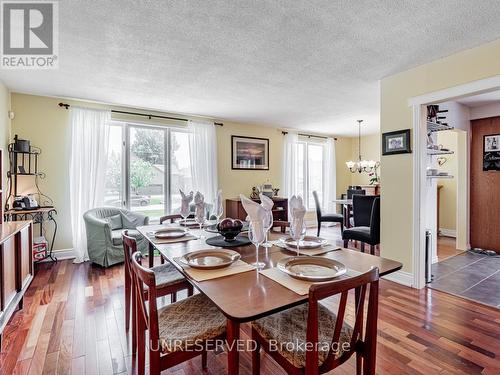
312 65
481 99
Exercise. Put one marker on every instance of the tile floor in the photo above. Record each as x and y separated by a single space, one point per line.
469 275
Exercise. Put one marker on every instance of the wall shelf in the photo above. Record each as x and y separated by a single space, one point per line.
435 127
432 152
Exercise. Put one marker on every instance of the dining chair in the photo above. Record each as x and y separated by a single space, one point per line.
282 225
177 332
366 215
170 218
169 281
327 218
311 339
351 192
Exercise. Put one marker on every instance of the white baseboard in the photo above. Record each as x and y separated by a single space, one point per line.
448 232
400 277
435 259
62 254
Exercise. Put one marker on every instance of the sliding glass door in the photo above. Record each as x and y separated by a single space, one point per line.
146 168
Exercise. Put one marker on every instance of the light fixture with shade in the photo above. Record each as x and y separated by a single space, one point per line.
359 166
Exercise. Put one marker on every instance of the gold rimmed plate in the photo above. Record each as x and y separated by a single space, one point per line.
311 268
309 242
210 259
170 233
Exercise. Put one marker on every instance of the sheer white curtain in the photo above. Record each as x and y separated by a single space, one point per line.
203 154
290 167
329 175
89 153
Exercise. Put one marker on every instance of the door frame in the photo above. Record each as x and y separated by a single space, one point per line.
418 105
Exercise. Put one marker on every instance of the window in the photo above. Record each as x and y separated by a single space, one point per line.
310 171
147 166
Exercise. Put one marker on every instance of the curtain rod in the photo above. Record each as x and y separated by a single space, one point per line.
310 135
150 116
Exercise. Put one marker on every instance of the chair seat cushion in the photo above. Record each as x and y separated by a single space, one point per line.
288 331
188 323
116 236
358 234
166 274
337 218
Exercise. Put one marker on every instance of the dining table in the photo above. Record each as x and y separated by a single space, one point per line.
346 210
247 296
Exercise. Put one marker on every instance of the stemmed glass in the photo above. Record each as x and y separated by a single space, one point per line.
184 211
268 223
199 217
256 234
298 232
218 208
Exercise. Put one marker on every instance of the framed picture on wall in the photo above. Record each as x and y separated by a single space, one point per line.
249 153
491 152
397 142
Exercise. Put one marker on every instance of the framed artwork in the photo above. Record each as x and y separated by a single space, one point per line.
397 142
491 152
249 153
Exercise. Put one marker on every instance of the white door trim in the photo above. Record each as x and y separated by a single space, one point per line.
419 152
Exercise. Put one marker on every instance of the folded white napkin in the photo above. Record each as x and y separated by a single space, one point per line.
199 202
266 202
297 211
257 215
185 200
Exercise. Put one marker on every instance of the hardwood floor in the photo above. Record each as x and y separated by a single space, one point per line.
72 322
446 248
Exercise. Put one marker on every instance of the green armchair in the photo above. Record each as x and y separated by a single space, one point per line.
104 228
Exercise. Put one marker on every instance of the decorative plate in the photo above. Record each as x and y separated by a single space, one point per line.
311 268
210 259
309 242
170 233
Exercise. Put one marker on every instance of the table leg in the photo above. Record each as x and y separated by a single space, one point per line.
151 255
233 335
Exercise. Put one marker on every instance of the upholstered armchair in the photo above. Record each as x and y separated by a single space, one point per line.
104 226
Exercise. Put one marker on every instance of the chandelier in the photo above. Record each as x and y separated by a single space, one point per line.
359 166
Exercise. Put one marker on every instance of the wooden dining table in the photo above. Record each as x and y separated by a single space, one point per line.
248 296
346 210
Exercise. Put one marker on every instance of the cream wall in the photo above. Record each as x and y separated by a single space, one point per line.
4 133
448 197
370 150
45 124
397 206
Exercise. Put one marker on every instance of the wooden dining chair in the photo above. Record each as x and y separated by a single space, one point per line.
170 218
177 332
310 339
169 280
326 218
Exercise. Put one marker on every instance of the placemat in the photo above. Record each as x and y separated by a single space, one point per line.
202 275
298 286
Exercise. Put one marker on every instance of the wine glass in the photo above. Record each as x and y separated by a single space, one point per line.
268 223
184 211
199 217
256 234
218 208
298 232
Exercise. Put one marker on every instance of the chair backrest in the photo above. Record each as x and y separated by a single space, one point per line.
362 209
170 218
129 247
375 221
360 284
318 206
149 315
351 192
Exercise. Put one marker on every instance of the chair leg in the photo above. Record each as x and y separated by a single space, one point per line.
204 359
346 243
362 247
372 249
127 301
359 364
190 290
141 346
256 359
134 320
173 297
341 227
319 227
